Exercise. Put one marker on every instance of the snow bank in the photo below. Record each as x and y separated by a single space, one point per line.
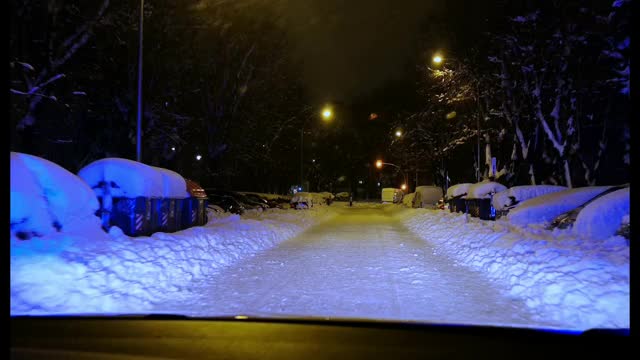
546 207
604 216
562 278
46 197
270 196
458 189
407 200
517 194
483 190
127 178
89 271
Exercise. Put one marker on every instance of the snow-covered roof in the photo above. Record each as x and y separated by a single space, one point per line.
130 179
546 207
603 217
482 190
44 193
503 199
457 190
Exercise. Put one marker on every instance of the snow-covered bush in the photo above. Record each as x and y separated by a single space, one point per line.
407 200
45 197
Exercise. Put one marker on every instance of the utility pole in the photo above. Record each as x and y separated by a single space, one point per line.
139 125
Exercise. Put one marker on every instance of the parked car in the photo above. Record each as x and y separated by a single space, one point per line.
427 197
248 203
342 196
228 203
567 219
392 195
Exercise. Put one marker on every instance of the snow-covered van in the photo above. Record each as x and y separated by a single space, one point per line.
392 195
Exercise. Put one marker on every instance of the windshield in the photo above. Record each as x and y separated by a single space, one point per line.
458 162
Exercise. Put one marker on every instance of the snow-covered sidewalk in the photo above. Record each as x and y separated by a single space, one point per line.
84 270
578 283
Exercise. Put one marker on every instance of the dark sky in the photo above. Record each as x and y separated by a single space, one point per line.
348 48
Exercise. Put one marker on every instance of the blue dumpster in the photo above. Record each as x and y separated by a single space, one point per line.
132 215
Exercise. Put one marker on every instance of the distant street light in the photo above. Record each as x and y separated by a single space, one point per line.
379 164
360 182
403 187
173 148
327 114
398 133
198 157
437 59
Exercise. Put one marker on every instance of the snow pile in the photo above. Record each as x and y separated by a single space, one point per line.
173 184
45 197
312 199
517 194
604 216
127 178
457 190
546 207
483 190
564 279
89 271
269 196
407 200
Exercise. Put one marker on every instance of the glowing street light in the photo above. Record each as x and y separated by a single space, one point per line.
327 113
198 157
173 148
403 187
437 59
379 164
398 133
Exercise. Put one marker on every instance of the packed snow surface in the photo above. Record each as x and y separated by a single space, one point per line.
458 189
604 216
483 190
45 197
516 194
545 208
86 270
370 261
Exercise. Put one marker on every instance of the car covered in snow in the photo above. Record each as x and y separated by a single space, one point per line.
427 197
342 196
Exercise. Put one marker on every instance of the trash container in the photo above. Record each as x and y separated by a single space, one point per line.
458 205
132 215
164 215
194 208
481 208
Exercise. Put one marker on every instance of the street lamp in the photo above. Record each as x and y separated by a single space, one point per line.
139 116
327 115
379 164
198 157
437 59
403 187
398 133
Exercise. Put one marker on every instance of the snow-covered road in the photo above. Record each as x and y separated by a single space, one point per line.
362 263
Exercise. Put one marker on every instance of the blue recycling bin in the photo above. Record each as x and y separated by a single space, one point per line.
132 215
164 215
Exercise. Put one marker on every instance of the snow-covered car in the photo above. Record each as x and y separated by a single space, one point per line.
342 196
508 199
427 197
302 200
614 207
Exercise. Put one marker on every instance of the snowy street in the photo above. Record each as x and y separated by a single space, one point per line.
362 263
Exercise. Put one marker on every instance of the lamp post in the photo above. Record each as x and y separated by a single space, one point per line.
327 115
437 60
139 116
379 164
